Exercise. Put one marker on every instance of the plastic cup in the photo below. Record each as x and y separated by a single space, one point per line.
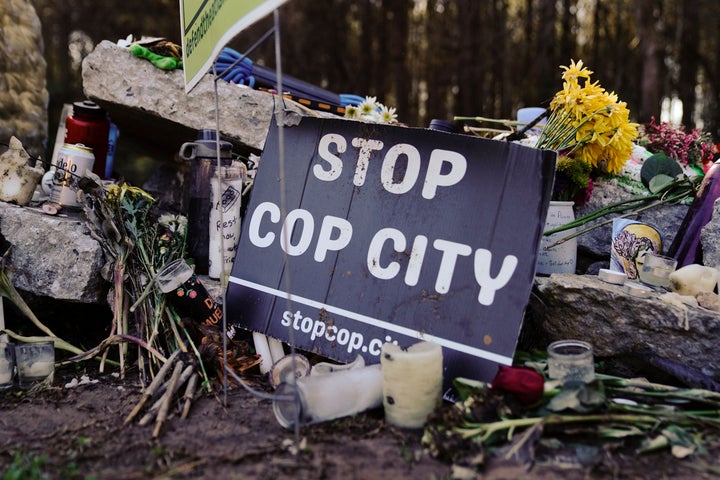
35 363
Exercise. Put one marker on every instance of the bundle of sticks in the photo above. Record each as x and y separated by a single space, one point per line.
182 369
163 390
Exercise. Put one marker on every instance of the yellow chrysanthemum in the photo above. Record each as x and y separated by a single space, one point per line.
589 122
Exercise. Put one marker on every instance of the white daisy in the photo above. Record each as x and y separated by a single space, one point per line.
352 111
387 115
368 106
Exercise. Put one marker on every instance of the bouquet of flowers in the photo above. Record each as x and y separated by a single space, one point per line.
370 110
587 124
694 149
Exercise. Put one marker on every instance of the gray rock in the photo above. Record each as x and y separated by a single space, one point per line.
618 324
53 256
149 103
23 95
710 239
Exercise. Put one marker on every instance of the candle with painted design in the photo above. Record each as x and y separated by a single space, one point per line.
412 382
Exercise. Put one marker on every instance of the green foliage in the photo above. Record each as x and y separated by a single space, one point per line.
659 164
632 413
26 466
572 176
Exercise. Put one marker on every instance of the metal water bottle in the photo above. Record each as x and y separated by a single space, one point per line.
89 125
202 153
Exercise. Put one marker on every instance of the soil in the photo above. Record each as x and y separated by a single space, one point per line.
80 433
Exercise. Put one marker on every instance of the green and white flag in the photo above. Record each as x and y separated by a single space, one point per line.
208 25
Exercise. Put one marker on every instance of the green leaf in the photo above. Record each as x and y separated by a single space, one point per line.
579 398
680 441
619 432
659 182
466 387
658 164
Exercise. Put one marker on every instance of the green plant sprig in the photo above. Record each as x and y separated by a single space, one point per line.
673 193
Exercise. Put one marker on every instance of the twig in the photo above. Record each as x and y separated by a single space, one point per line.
167 399
117 339
59 342
145 293
189 395
153 387
166 388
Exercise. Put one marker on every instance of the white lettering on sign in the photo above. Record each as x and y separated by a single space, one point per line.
435 178
445 167
488 284
306 231
387 172
334 235
451 251
256 238
366 147
335 168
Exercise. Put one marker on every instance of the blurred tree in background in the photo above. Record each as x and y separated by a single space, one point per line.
440 58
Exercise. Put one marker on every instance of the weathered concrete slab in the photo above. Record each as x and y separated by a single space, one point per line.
53 256
617 324
150 103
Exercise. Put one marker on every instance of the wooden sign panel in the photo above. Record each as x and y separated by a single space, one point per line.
392 234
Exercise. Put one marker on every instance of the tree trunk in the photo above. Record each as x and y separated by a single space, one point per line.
688 59
651 53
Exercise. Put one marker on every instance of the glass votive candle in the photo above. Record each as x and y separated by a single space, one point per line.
571 361
35 363
656 269
7 365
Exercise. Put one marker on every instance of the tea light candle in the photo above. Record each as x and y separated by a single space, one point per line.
412 382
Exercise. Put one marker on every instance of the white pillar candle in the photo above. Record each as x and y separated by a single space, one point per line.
326 397
263 349
277 351
412 382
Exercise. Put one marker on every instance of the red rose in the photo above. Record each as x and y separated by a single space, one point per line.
526 383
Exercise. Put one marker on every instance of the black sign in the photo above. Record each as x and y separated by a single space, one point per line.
392 234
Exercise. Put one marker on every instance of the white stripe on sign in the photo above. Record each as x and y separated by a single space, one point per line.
501 359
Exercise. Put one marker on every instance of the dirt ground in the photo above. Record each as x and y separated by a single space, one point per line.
80 433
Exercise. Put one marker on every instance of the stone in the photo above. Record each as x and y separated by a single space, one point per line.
23 94
18 176
709 238
618 324
148 103
53 256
